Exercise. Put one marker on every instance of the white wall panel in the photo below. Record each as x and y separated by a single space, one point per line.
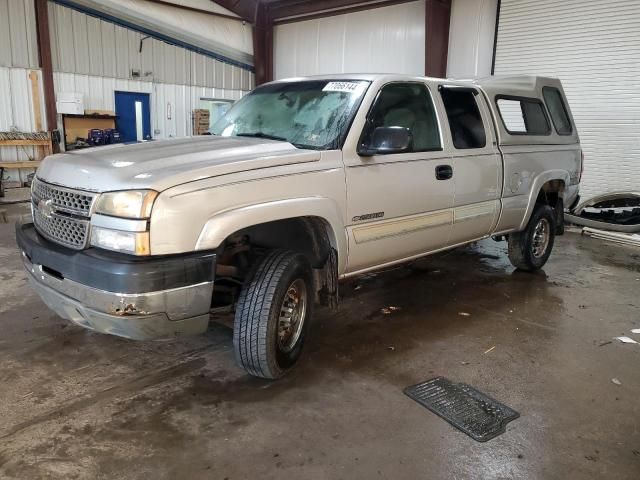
382 40
62 20
122 53
80 41
6 111
87 45
331 34
135 56
18 38
16 110
16 105
169 63
99 91
94 46
471 36
108 39
594 48
232 37
31 33
5 35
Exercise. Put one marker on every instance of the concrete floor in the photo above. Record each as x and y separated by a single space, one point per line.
74 404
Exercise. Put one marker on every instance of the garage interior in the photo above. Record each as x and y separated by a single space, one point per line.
79 404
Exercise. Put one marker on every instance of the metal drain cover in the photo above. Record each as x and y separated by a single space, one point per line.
479 416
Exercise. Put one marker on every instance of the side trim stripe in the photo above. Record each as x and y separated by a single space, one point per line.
415 223
392 228
469 212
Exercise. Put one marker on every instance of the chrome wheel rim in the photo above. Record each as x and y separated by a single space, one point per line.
541 237
292 315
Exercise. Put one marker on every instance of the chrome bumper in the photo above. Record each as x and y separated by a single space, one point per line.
152 315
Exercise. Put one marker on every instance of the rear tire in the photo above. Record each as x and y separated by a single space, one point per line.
273 314
529 250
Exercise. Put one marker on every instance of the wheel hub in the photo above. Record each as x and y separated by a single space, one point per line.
292 315
541 234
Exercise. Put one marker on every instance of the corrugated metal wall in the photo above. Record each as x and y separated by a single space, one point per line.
18 40
95 57
381 40
471 35
18 52
98 94
16 110
86 45
594 48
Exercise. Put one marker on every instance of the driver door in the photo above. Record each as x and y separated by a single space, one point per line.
399 205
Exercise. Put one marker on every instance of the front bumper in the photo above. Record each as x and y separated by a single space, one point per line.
141 299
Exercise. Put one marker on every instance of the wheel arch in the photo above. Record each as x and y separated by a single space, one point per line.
318 214
545 185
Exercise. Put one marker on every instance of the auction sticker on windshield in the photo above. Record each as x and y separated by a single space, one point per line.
349 87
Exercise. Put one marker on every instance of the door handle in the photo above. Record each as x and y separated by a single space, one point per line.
444 172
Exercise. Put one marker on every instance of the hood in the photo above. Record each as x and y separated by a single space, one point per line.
162 164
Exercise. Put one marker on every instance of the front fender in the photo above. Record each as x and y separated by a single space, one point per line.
220 226
536 185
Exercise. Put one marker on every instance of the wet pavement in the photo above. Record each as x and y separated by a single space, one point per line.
74 404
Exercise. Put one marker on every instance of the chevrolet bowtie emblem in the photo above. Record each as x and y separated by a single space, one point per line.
45 207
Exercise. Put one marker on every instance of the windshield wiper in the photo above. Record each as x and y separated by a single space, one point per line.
261 135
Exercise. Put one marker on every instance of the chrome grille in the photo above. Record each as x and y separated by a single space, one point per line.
66 199
67 231
62 214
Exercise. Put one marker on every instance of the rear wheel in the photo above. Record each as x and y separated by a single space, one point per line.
529 250
273 314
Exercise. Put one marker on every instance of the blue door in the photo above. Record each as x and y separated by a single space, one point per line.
134 116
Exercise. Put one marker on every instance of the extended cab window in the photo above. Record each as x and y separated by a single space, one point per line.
523 116
465 121
407 105
557 110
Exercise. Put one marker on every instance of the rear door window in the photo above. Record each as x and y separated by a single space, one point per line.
523 116
465 121
557 110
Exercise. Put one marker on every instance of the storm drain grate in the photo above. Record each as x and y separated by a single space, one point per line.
479 416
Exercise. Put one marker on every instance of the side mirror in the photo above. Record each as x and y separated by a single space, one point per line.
386 140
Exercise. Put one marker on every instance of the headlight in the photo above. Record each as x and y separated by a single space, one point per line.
127 203
136 243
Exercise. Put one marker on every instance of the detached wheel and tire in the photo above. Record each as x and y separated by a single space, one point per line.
529 250
273 314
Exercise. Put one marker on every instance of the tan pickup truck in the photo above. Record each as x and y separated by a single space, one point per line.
303 183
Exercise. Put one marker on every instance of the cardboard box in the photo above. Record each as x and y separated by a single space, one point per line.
70 108
70 97
200 121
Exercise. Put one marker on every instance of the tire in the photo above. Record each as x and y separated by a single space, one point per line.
529 250
263 345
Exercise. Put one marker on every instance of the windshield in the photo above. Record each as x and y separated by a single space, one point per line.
308 114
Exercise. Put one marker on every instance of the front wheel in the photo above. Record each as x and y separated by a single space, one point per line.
273 314
529 250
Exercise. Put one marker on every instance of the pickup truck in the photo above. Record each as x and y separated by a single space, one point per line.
303 183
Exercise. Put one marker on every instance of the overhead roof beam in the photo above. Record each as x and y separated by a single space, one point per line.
283 11
246 9
197 10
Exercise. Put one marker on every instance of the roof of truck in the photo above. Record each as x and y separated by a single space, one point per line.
525 82
518 85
